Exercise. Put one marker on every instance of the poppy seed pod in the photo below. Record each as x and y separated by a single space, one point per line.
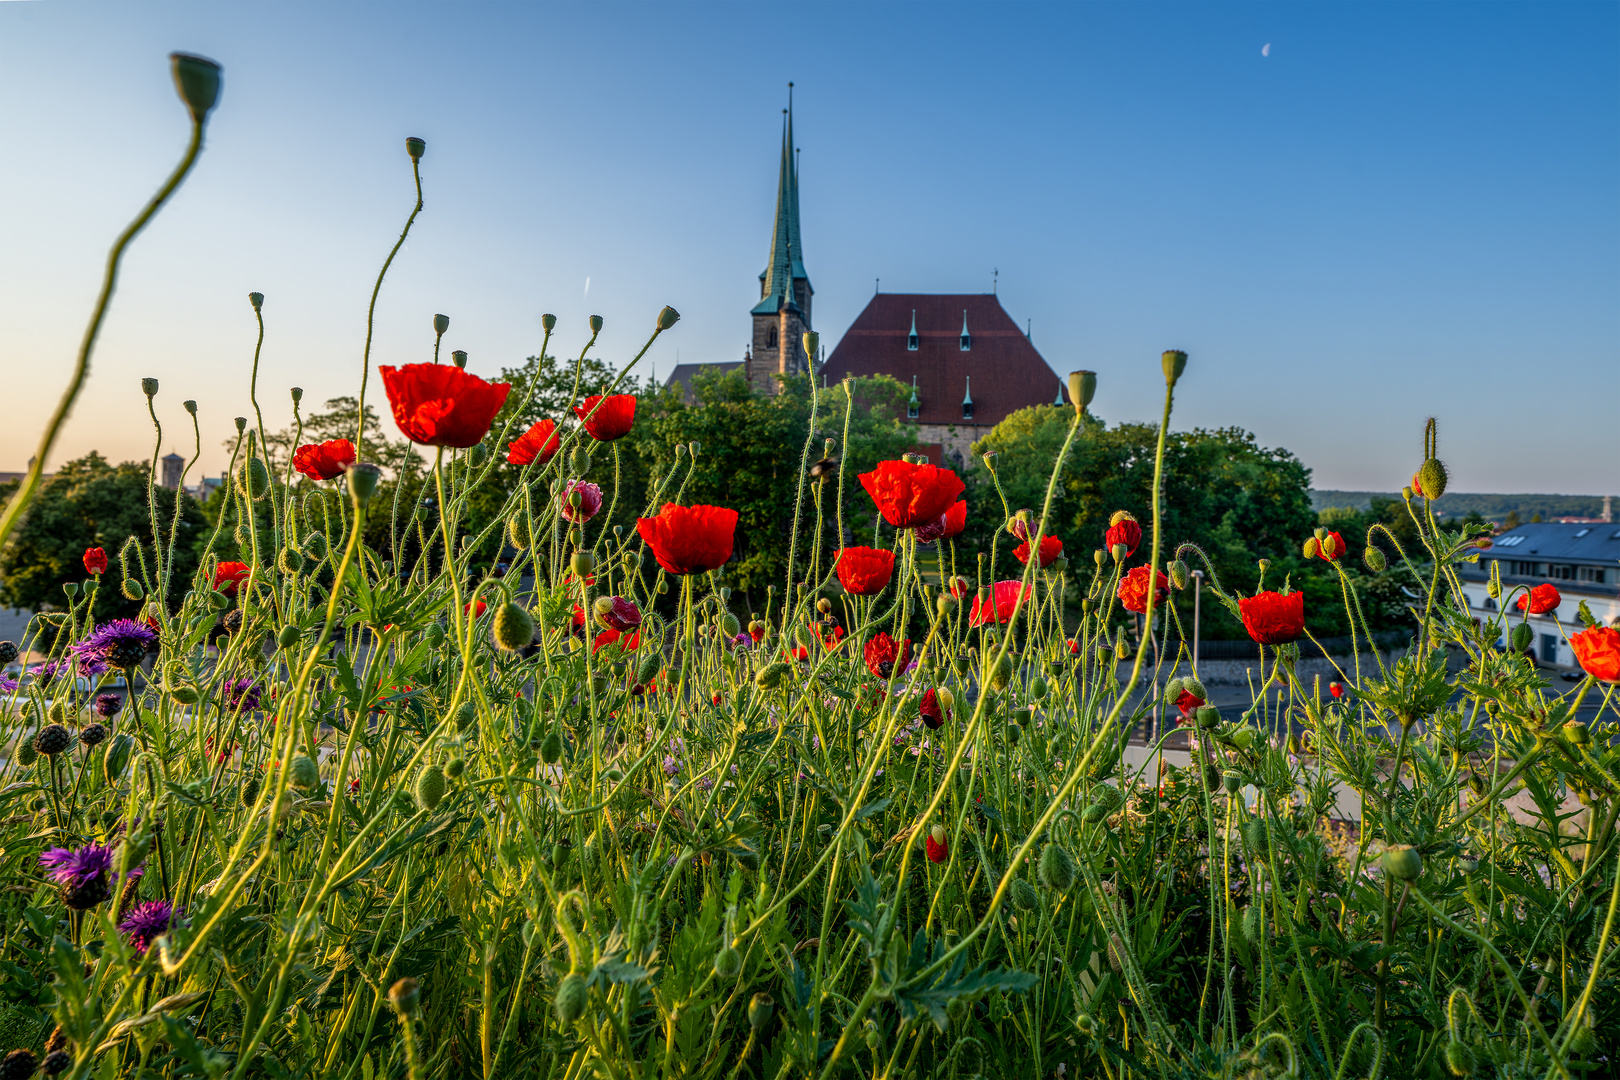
415 147
1232 782
430 788
514 627
1056 869
1174 362
581 563
305 773
1403 862
812 345
363 479
149 387
1082 388
196 78
596 325
459 358
256 299
297 393
548 322
668 318
240 421
760 1007
1208 717
1119 551
405 996
1576 732
1374 558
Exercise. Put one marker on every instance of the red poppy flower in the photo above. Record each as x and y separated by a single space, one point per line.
833 638
95 561
1331 546
541 441
1051 548
931 531
800 653
618 614
1001 605
228 575
1336 689
324 461
933 712
1417 485
609 420
1123 530
627 642
440 404
911 495
960 586
865 571
468 607
1597 650
1133 589
756 630
955 519
1273 618
937 845
690 539
1188 702
1074 647
884 654
1541 599
590 501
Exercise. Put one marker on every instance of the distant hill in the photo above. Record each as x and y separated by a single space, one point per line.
1491 507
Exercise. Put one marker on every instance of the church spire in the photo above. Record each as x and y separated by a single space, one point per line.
786 262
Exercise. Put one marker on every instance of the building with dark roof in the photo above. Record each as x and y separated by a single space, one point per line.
1582 560
682 375
968 364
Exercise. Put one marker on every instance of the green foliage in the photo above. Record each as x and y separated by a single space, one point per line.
91 503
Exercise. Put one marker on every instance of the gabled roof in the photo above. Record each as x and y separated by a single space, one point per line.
1008 374
1551 541
682 375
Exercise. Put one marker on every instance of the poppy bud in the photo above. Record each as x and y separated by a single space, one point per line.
1407 493
728 963
1001 673
647 668
812 345
466 715
1403 862
551 747
580 459
1122 651
874 1034
414 147
363 479
729 625
454 768
771 676
668 318
760 1007
1037 689
305 773
1174 362
197 80
290 561
131 589
1311 548
430 787
514 627
459 358
1433 478
1086 1025
1056 869
477 454
1179 574
1459 1059
288 637
149 387
1024 897
1330 548
1521 637
405 996
315 545
1192 686
1082 388
1374 558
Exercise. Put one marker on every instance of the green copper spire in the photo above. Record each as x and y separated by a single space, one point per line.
786 259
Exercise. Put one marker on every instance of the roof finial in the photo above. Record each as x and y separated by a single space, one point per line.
877 286
995 282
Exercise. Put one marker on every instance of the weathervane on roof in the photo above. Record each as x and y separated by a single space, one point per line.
995 282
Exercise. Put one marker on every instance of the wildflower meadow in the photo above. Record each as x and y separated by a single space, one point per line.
352 807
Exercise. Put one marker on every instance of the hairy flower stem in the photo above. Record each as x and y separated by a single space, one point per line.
371 312
30 481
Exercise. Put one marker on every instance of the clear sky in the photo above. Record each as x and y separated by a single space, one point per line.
1403 209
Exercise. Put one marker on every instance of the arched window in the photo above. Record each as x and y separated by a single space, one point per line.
770 338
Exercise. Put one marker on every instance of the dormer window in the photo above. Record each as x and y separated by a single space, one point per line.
967 401
913 406
966 340
911 338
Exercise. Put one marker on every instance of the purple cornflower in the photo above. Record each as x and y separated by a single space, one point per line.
121 643
742 641
146 921
108 706
7 683
706 784
241 694
46 673
672 767
86 875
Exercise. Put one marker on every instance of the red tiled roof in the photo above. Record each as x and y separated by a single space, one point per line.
1007 373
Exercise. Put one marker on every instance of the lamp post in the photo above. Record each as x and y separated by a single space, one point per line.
1198 595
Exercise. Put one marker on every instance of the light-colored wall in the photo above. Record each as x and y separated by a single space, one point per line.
1559 623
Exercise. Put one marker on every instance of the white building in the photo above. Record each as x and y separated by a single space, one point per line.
1581 560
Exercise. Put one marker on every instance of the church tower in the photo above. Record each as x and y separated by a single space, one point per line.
783 313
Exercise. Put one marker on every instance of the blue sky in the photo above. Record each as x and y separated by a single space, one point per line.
1402 210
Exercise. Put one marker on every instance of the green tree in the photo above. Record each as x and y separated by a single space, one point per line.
90 503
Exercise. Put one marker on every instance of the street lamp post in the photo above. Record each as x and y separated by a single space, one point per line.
1198 595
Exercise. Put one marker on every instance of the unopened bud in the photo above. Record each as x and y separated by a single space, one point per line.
1374 558
514 627
1433 478
1312 546
1179 574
